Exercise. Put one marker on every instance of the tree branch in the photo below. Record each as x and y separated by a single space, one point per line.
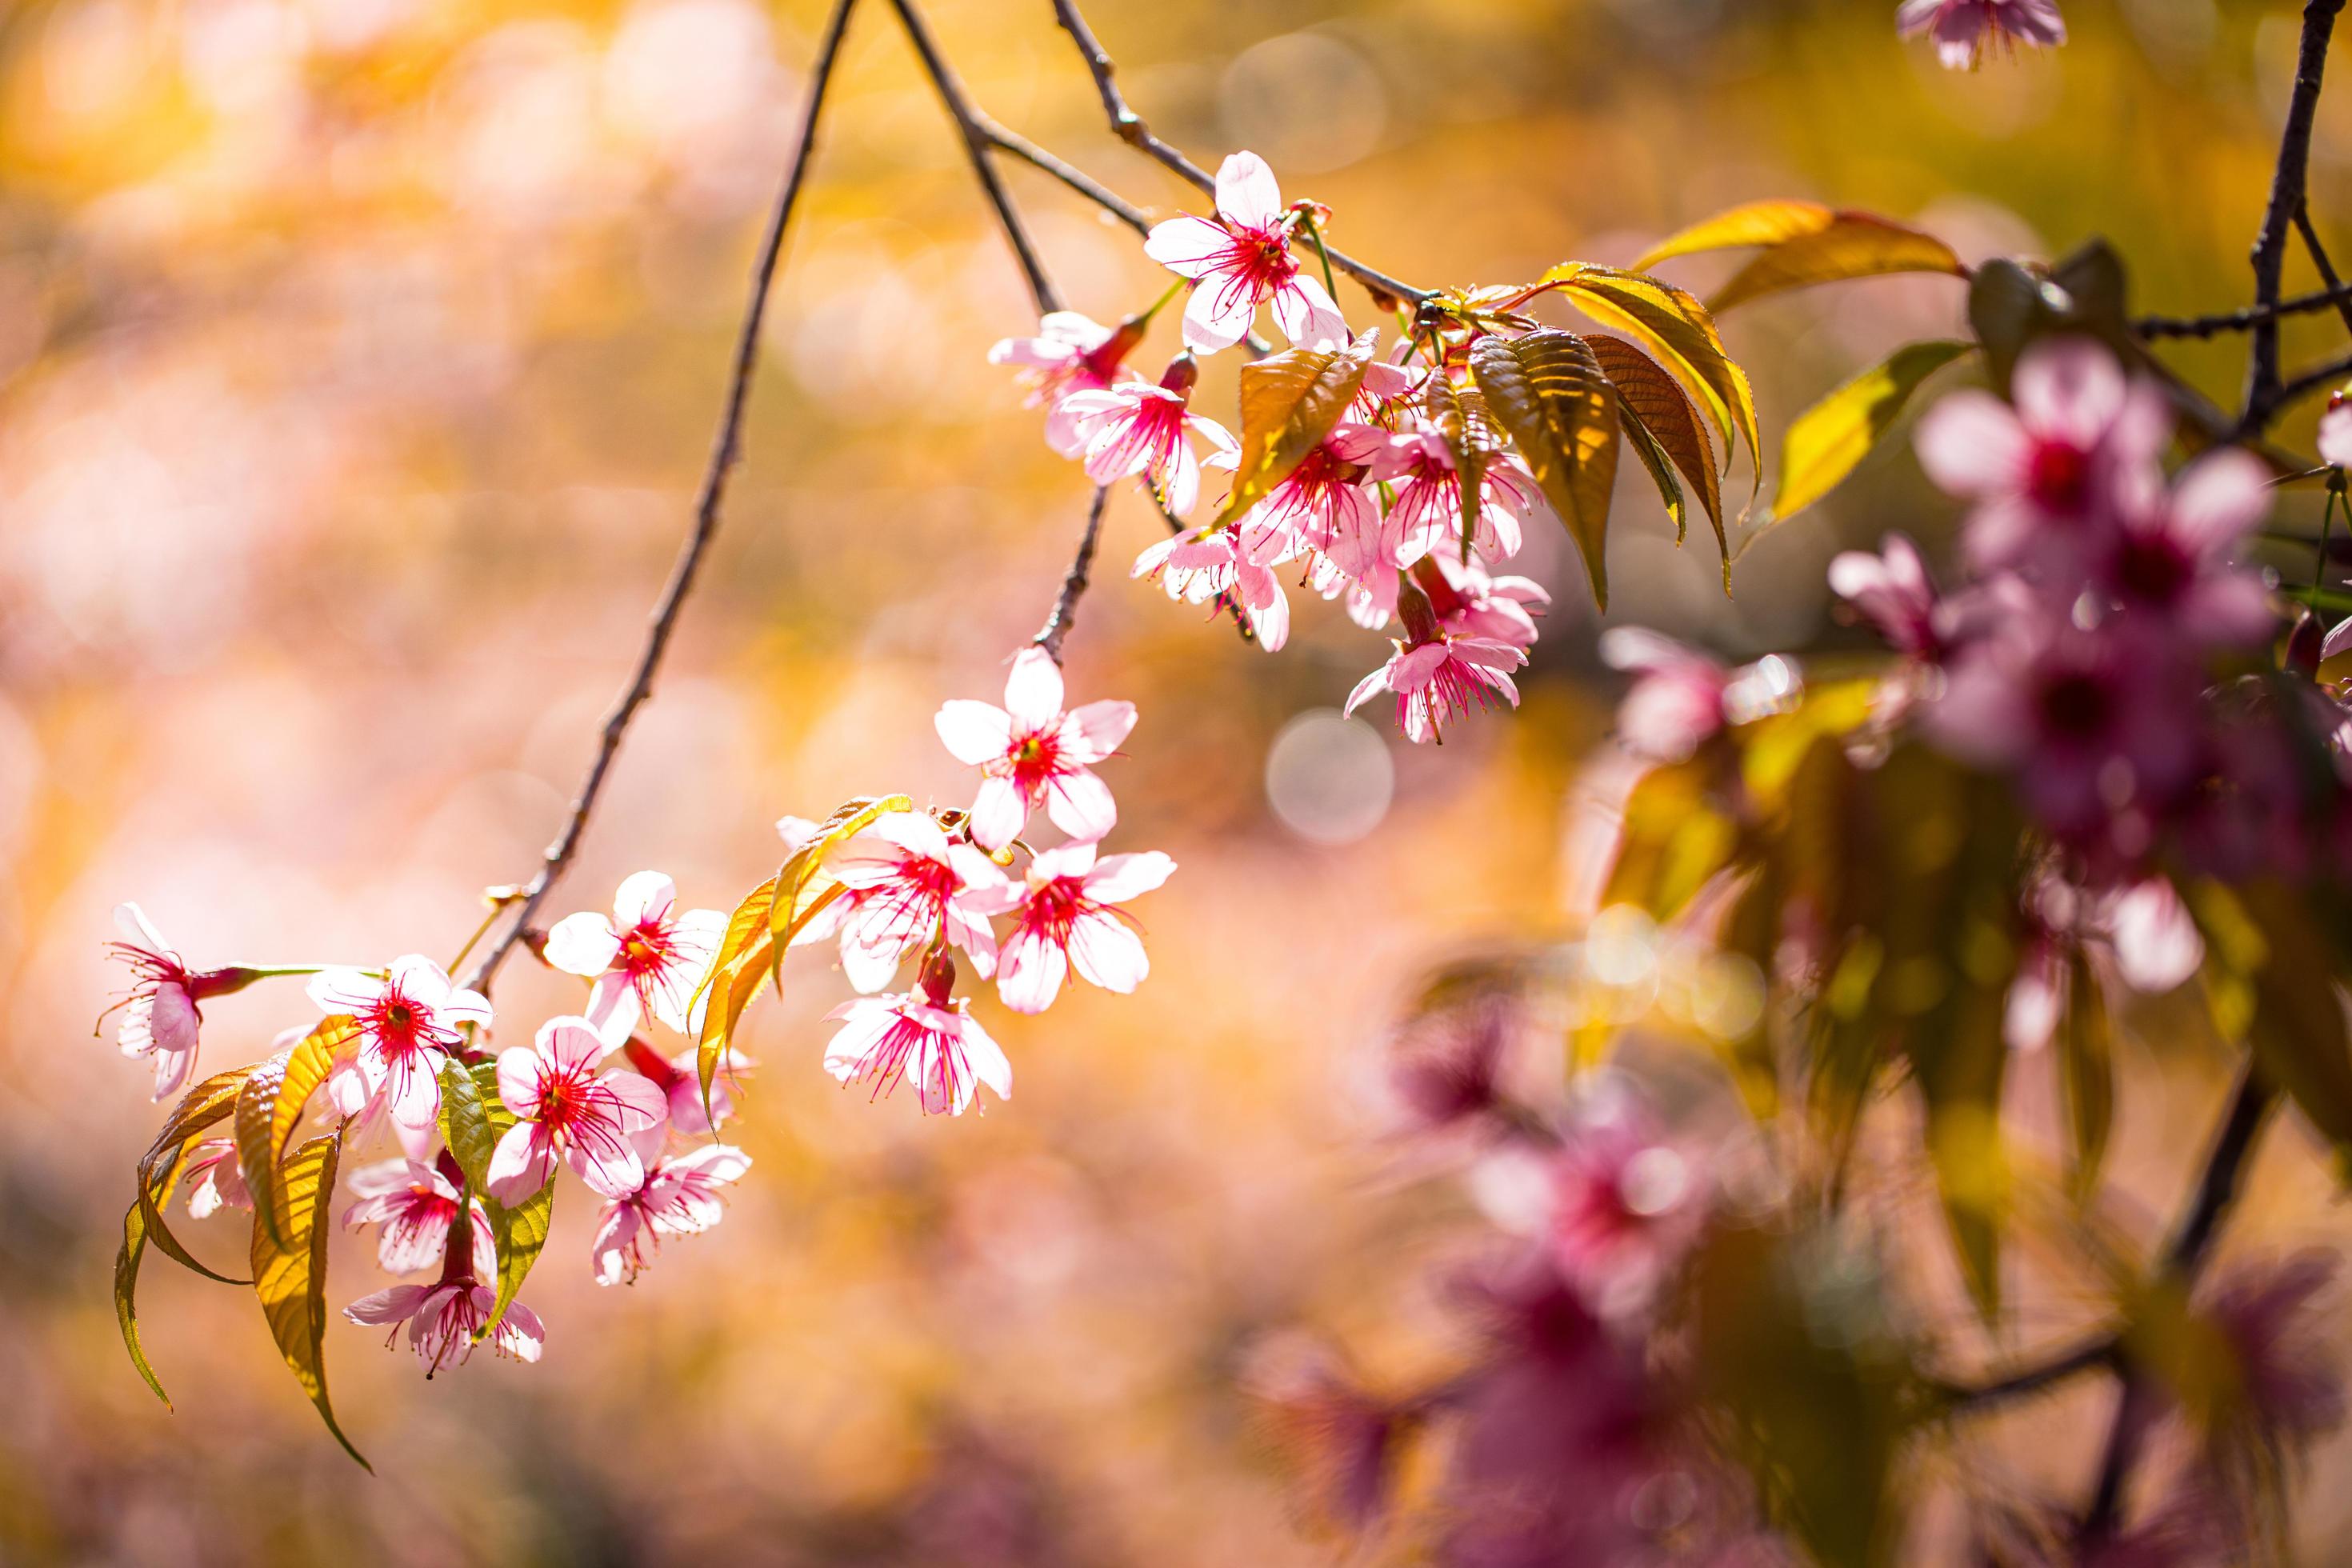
1975 1397
1129 128
724 449
1073 582
2288 181
2337 293
2325 268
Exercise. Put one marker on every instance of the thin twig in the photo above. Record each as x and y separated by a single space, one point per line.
725 448
1070 175
2320 264
1129 128
2336 294
2216 1189
976 147
2288 181
1975 1397
2299 387
1073 582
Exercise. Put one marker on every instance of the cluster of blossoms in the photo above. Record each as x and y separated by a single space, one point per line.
1373 516
1964 29
920 884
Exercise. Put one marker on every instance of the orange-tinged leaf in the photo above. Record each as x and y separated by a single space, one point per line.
1829 439
1460 417
1856 245
1652 398
273 1099
208 1103
1550 393
1289 403
1755 223
291 1280
126 1272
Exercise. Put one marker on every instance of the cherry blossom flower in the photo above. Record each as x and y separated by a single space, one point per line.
566 1110
647 958
1894 590
1032 752
1677 701
680 1196
215 1179
679 1077
2142 935
1137 427
2272 1316
1071 352
1065 920
909 887
1321 501
415 1202
160 1015
1201 567
408 1022
1427 512
1440 678
443 1318
1624 1206
2079 443
1471 602
1964 29
921 1034
2336 431
2172 560
1242 260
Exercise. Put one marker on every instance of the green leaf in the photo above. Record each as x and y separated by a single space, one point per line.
2086 1074
291 1280
126 1271
473 1119
466 1121
1289 402
521 1235
1834 435
1665 422
1675 326
1548 391
1462 420
764 924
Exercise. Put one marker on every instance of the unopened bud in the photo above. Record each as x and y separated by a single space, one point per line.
1179 375
939 978
2304 644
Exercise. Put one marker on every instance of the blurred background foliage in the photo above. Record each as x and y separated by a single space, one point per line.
357 358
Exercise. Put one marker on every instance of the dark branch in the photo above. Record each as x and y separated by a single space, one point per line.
725 448
1078 179
1073 582
2325 268
1976 1397
2336 294
2303 385
976 144
2288 181
1129 128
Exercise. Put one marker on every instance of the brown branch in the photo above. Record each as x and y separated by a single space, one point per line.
1974 1397
2136 1410
2288 182
2336 294
2303 385
724 449
1073 582
1070 175
976 145
1129 128
2325 268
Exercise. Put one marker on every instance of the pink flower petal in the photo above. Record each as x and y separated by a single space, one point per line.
973 733
584 944
1247 192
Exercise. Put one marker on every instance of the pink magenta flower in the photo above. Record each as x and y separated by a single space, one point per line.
1964 29
1471 602
2336 431
2172 560
910 886
919 1034
160 1016
1894 591
1323 499
1137 428
1240 260
2079 443
408 1022
1065 920
647 958
415 1204
1031 753
1677 702
1624 1206
442 1320
1199 566
1071 352
215 1179
680 1079
1440 678
1427 512
567 1110
680 1196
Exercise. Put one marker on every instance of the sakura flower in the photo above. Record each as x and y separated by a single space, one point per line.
1065 920
1963 28
566 1110
2172 560
909 887
922 1035
1440 678
2079 442
2272 1318
1032 752
1137 427
1624 1206
1204 566
2336 431
215 1179
443 1319
160 1016
1471 602
680 1079
1427 512
1677 702
1071 352
680 1196
1894 590
1240 260
1322 499
408 1022
415 1202
647 958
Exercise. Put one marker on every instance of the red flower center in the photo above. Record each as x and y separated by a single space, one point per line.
2058 476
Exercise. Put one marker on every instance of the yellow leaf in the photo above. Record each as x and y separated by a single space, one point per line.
1289 403
1856 245
209 1102
126 1267
1650 397
1834 435
1461 418
272 1101
1549 393
291 1280
1756 223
